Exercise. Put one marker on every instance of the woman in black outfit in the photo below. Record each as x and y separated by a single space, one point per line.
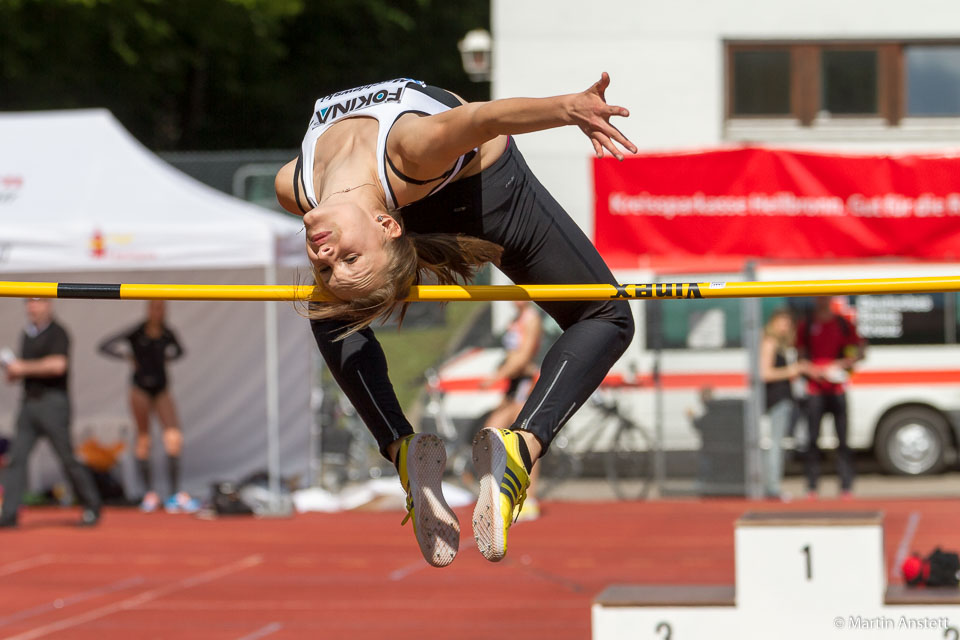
149 346
778 368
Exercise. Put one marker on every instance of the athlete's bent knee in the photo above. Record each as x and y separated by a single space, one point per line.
621 318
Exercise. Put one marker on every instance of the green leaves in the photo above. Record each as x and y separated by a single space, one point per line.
205 74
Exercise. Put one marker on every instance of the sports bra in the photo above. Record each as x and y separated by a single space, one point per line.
385 101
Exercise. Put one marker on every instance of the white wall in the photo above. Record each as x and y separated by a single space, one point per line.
665 59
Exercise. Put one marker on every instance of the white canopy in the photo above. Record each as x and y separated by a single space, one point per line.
77 191
82 201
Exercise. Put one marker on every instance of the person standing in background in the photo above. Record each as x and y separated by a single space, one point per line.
149 346
828 347
778 368
43 366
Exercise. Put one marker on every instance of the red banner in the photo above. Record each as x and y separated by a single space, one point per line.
776 204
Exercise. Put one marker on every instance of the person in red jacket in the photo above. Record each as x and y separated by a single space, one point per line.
828 347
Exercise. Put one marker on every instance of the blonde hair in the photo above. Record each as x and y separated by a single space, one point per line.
783 341
441 257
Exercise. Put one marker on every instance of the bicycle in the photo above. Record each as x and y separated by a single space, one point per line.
458 439
617 444
347 452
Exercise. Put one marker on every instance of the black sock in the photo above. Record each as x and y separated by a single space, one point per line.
143 466
525 455
173 468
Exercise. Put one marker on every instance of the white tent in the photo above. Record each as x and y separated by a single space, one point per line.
82 201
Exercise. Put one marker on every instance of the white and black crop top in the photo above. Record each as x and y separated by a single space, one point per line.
385 101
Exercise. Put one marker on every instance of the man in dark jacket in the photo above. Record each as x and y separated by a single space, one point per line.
43 367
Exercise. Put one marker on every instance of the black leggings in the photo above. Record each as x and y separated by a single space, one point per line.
507 205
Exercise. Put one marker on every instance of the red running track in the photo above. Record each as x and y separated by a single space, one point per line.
359 575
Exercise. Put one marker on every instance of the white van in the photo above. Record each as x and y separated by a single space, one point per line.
904 397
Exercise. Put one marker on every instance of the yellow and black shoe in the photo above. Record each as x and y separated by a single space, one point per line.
421 462
503 488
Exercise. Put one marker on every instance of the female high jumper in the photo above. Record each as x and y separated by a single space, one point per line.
400 181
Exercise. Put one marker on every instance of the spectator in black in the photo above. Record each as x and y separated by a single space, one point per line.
778 368
43 366
828 347
148 346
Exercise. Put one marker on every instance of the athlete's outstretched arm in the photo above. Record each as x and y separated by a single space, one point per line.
432 143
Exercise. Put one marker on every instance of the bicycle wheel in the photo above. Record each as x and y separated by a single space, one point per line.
629 464
458 439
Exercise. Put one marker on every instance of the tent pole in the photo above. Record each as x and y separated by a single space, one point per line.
752 327
273 397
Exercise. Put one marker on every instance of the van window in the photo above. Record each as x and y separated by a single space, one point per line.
902 319
895 319
695 324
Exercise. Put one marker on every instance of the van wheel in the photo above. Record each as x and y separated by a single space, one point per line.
913 441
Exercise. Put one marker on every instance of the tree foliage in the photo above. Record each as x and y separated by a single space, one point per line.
216 74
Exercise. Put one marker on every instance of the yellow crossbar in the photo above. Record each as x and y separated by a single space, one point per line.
447 293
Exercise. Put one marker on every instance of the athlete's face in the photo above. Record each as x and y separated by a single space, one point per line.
347 247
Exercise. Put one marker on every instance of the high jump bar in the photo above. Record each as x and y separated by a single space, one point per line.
453 293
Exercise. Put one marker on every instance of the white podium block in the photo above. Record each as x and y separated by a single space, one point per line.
665 612
799 575
811 560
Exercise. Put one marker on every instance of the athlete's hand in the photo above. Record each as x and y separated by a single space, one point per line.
591 113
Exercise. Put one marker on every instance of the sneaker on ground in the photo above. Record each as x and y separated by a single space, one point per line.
503 489
181 503
150 502
89 517
420 463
